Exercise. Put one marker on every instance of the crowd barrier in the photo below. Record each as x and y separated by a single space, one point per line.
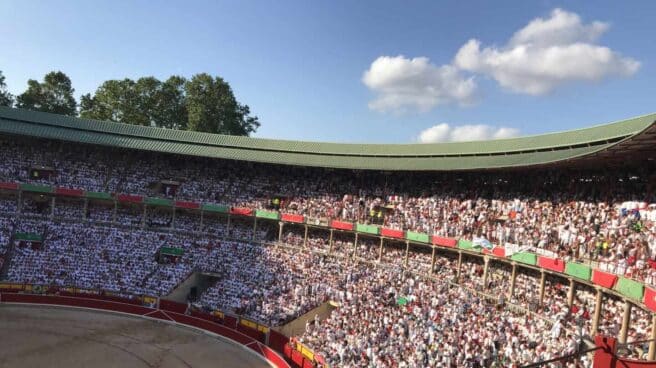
167 311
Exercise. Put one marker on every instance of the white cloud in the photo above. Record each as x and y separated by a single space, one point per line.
464 133
547 53
402 83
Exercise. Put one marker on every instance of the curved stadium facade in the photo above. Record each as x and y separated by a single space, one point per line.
628 145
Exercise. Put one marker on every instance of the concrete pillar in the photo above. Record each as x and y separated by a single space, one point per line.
173 217
86 208
571 292
227 234
202 213
513 278
115 211
280 225
355 246
626 321
52 207
143 216
407 253
19 206
459 266
486 271
380 250
432 270
330 242
651 355
254 228
305 237
597 313
543 278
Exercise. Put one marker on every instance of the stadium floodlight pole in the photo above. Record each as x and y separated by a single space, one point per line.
626 319
597 313
651 355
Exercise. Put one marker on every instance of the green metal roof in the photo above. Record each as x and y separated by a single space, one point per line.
524 151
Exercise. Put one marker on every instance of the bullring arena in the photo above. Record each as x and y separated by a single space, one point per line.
125 245
38 336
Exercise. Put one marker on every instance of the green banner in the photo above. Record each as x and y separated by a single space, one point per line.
158 202
28 236
215 208
417 237
467 245
367 229
629 288
271 215
401 301
170 251
578 270
98 195
525 257
36 188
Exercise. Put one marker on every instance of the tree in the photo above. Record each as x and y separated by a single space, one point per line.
212 107
54 94
6 99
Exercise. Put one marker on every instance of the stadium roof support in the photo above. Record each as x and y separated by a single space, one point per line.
602 141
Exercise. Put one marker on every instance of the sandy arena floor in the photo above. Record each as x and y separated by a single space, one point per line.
33 336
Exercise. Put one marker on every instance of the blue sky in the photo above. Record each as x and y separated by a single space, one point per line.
301 65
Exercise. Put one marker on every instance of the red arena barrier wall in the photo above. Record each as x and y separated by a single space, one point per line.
164 314
292 218
445 242
391 233
553 264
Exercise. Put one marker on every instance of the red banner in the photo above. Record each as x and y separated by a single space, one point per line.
650 299
553 264
241 211
604 279
499 251
445 242
341 225
293 218
10 186
69 192
391 233
129 198
189 205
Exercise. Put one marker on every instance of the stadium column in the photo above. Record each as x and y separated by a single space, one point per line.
380 250
305 237
202 213
330 242
597 312
86 208
280 225
571 292
513 279
20 201
52 207
459 266
651 355
407 253
254 228
143 216
115 211
543 279
486 271
626 320
355 246
432 261
173 217
227 234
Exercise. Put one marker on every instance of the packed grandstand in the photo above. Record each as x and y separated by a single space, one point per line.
495 254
